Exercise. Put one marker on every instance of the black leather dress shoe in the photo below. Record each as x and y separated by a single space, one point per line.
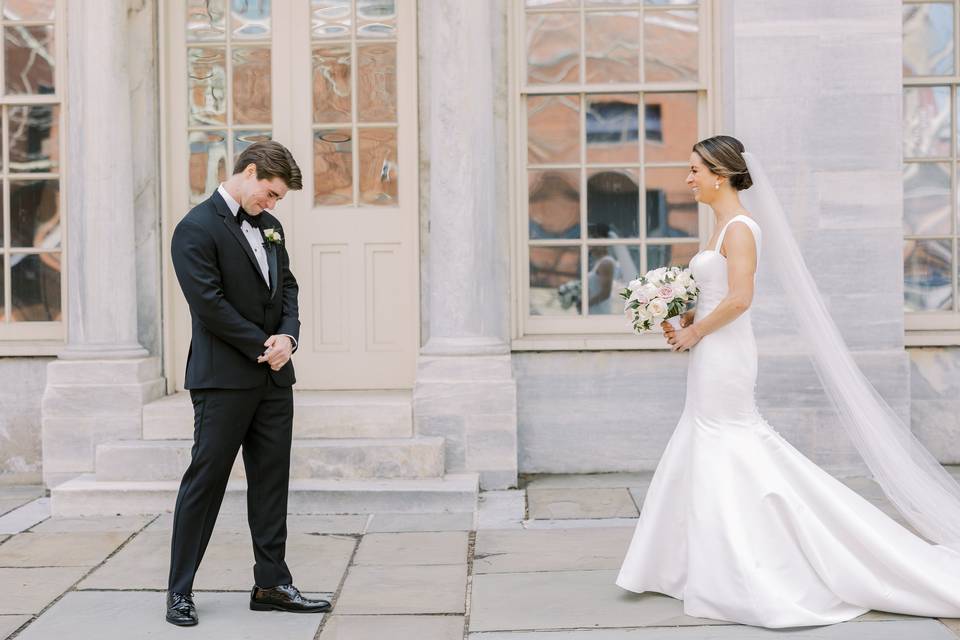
181 610
286 597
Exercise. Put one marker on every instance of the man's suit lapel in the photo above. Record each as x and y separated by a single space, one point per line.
231 223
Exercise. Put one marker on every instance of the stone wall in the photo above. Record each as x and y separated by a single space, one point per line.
23 381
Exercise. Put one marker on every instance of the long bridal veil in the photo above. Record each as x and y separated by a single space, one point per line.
918 486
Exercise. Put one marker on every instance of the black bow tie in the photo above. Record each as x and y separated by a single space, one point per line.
243 215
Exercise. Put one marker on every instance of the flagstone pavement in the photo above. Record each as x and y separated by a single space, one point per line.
536 563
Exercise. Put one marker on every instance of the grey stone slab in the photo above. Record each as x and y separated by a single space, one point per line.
568 600
296 523
316 561
406 589
4 536
508 551
9 624
128 523
82 549
578 523
393 627
638 494
501 509
22 518
900 630
80 615
587 480
36 587
421 548
953 624
15 496
581 503
384 522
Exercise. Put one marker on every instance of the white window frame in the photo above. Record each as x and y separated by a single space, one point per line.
940 328
40 338
585 333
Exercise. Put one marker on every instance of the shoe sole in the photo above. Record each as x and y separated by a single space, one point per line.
191 623
256 606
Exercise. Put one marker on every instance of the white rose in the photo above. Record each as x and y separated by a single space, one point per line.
658 309
639 296
634 284
649 290
643 313
685 279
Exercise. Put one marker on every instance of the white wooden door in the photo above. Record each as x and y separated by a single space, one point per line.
335 81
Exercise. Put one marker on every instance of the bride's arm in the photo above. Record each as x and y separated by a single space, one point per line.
741 265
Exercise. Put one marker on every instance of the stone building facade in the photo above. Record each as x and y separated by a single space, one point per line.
467 166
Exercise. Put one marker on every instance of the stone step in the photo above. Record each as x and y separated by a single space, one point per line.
316 414
153 460
452 493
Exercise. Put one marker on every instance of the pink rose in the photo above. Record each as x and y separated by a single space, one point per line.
666 292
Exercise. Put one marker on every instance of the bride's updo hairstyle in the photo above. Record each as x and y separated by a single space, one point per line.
723 155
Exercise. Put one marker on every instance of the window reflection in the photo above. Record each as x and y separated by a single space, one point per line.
927 284
554 205
555 281
35 287
609 268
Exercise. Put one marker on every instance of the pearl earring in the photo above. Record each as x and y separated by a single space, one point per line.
716 185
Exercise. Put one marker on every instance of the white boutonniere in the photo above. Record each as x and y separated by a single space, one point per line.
272 236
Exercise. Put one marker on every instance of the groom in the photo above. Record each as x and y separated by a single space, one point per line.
233 268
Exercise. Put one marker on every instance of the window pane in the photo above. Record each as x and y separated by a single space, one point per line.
331 84
602 3
376 19
553 129
670 46
555 281
612 128
34 143
613 203
926 121
250 19
378 166
553 48
554 203
670 126
208 163
667 2
251 85
377 82
207 86
609 269
928 39
613 47
34 213
671 207
926 198
243 139
670 255
35 287
927 265
28 9
28 61
330 18
332 167
206 21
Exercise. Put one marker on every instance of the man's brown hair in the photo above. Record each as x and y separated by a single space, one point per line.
273 160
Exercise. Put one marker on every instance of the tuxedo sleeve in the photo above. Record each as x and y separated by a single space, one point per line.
195 262
290 314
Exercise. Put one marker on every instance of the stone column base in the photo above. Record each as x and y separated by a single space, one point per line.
87 402
470 400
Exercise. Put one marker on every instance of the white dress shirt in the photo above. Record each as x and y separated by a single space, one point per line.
255 238
253 235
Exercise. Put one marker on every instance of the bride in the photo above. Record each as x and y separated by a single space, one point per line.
739 524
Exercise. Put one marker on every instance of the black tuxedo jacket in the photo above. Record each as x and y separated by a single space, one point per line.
232 309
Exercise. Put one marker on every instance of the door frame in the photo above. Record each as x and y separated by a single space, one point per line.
174 185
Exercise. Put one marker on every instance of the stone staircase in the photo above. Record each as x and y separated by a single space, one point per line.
353 452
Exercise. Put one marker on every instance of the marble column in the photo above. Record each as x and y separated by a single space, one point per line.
97 387
465 389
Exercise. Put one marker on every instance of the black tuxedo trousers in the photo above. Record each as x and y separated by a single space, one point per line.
238 403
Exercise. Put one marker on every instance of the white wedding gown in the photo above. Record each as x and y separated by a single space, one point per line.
742 527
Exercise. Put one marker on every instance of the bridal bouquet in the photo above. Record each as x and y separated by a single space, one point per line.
660 294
